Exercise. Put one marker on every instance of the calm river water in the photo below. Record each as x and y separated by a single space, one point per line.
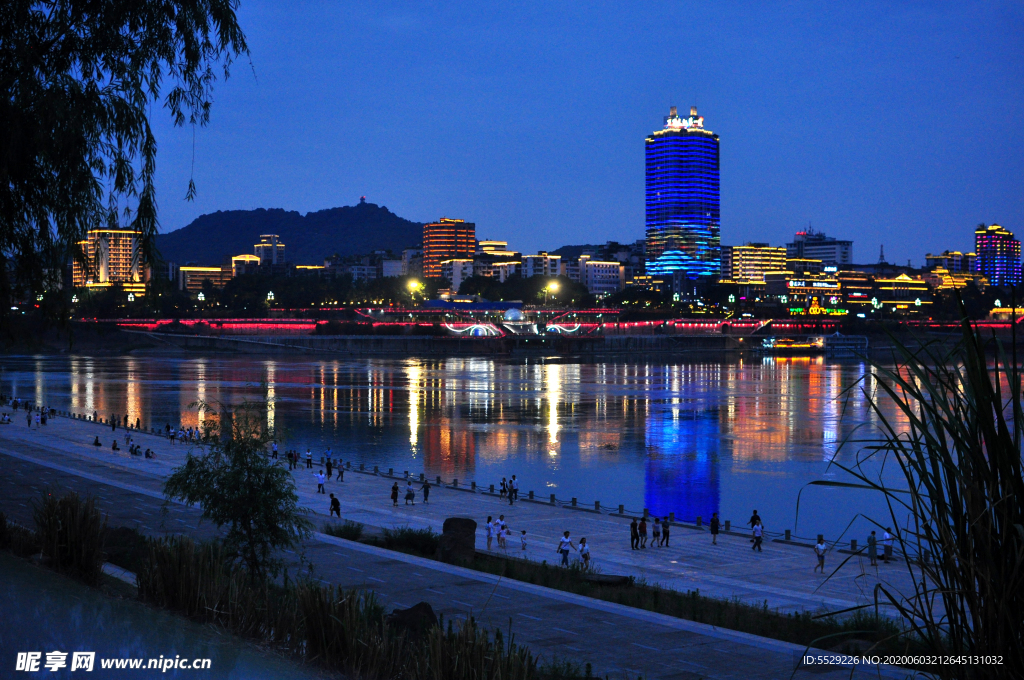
673 436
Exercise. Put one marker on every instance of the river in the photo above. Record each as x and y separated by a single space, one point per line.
689 437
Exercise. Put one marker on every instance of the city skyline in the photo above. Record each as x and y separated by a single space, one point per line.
534 128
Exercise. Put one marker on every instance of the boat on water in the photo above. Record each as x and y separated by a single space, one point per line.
836 344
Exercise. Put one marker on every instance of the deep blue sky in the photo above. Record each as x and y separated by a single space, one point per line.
885 122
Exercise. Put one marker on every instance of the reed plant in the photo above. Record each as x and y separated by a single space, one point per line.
959 453
70 532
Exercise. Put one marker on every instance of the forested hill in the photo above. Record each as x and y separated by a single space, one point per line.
308 239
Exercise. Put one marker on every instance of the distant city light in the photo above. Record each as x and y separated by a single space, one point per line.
131 297
201 297
270 296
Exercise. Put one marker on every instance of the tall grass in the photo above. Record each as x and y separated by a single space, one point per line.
422 541
19 540
349 530
70 532
960 456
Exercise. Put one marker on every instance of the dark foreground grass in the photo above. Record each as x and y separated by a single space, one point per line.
349 530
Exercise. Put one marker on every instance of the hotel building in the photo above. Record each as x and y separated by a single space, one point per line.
446 239
998 255
682 198
112 257
750 262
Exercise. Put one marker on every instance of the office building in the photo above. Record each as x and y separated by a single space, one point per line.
270 250
456 271
750 262
817 246
682 198
601 278
952 261
998 255
111 258
446 239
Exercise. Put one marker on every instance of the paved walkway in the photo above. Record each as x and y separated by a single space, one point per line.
782 575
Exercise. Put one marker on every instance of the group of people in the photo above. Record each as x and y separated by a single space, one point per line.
497 529
189 434
660 533
410 493
509 489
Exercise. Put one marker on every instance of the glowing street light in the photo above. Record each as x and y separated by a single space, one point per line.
131 297
414 285
201 296
270 296
550 288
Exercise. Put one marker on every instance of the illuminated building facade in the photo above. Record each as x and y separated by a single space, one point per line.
858 290
806 293
941 278
542 264
601 278
998 255
902 294
446 239
270 250
751 261
682 198
112 258
191 278
244 264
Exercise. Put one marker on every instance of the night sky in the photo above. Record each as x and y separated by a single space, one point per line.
885 122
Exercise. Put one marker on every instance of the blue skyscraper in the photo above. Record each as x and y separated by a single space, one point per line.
682 198
997 255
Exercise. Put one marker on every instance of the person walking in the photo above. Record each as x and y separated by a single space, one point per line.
513 489
273 448
309 459
330 468
585 552
410 493
504 488
873 549
714 528
38 417
643 532
754 519
820 550
335 507
634 535
394 495
522 539
489 531
426 491
664 533
656 533
758 533
113 422
320 479
887 539
564 544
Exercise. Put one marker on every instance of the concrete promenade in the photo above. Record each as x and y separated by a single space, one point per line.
615 639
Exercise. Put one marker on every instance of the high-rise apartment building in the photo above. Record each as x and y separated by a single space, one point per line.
682 198
750 262
112 258
446 239
817 246
998 255
542 264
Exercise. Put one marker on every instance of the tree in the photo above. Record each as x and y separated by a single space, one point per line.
238 486
77 80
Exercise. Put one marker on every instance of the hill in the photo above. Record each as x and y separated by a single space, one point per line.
349 230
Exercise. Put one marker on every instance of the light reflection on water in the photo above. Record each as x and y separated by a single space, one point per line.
690 438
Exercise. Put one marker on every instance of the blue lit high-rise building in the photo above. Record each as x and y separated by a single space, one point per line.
997 255
683 218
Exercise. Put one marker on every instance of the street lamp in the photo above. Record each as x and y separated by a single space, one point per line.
131 297
270 296
550 288
201 297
